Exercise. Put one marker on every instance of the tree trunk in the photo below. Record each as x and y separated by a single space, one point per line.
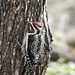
15 16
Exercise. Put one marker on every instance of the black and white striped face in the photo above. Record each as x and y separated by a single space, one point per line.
34 28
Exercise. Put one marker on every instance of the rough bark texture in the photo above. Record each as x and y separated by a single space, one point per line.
14 18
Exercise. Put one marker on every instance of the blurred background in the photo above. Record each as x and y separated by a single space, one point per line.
62 24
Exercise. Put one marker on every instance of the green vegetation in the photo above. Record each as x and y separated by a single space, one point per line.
61 67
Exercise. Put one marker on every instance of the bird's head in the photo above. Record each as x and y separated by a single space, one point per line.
34 28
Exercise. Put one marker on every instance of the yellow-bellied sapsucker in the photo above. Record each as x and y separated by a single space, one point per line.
33 48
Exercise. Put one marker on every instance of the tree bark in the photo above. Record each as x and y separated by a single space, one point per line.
14 18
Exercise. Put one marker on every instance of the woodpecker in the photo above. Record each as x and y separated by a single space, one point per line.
33 47
34 40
